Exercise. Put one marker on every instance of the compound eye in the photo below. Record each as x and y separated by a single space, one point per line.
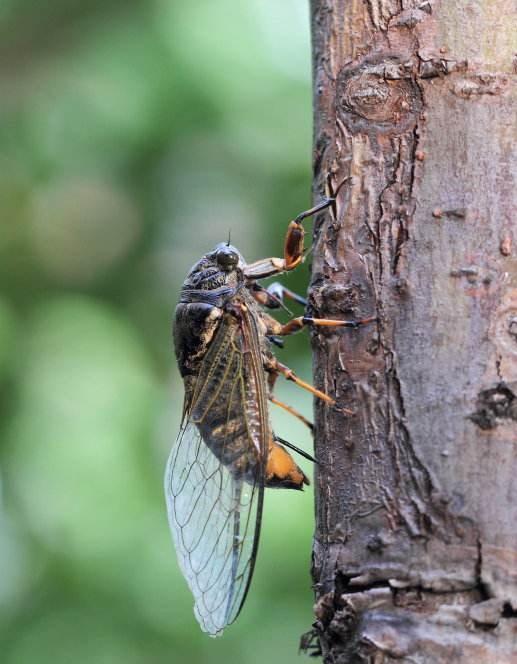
227 258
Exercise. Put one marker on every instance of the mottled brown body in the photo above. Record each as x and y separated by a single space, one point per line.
232 415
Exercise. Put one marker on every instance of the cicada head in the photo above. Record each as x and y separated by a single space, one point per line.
218 269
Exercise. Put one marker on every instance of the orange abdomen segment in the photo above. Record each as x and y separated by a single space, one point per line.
281 470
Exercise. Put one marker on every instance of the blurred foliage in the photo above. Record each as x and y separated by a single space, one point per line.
133 136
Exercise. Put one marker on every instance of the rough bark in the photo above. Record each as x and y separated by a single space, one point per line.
415 552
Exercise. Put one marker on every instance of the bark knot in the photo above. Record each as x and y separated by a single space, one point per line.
380 96
493 405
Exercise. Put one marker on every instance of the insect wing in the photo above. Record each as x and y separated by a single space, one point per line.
214 514
215 521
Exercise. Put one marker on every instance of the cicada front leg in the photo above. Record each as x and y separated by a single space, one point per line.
293 247
294 239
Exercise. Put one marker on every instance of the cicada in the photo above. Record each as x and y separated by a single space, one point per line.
226 452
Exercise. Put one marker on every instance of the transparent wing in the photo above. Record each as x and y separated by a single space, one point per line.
214 513
215 522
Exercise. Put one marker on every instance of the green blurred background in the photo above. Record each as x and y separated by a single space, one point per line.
133 136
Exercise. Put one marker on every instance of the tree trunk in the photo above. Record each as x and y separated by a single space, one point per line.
415 553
